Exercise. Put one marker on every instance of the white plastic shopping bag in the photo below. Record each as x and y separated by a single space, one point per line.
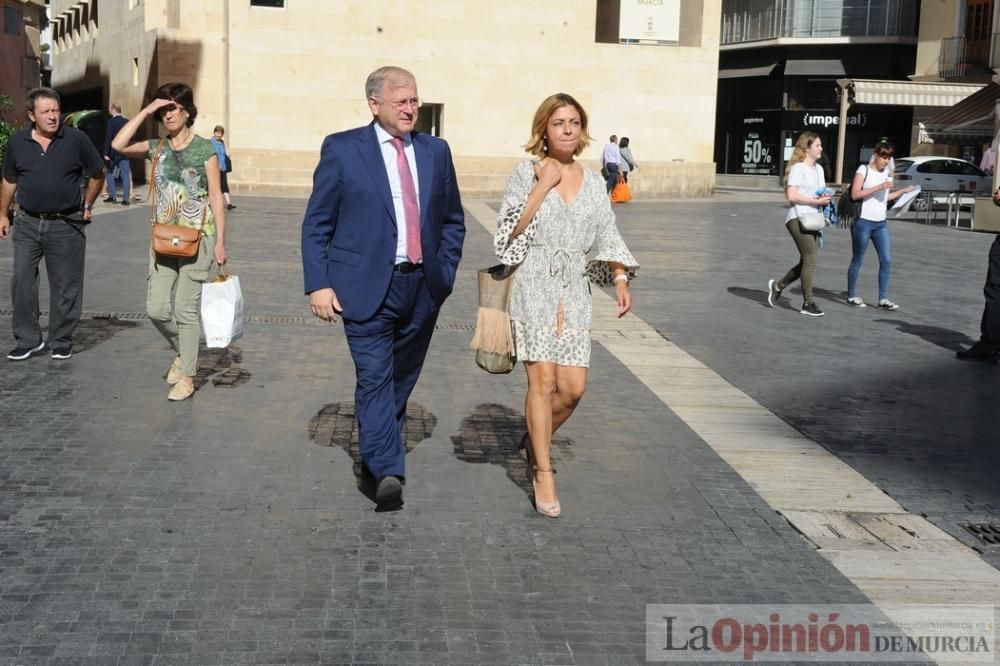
222 310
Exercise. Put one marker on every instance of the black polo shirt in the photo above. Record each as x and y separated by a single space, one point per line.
50 181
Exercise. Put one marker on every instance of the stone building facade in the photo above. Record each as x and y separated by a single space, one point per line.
20 54
281 77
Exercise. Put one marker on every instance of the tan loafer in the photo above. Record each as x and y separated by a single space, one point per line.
174 373
182 390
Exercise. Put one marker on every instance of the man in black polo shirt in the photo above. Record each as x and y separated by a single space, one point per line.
47 165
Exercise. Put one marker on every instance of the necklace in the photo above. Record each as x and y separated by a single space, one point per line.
180 146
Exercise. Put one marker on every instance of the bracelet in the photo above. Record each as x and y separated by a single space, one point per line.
621 277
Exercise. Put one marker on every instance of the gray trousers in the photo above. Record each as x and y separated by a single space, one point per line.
63 244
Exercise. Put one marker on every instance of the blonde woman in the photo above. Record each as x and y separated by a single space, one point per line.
805 185
554 211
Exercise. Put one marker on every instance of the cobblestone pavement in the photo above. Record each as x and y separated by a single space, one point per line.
230 529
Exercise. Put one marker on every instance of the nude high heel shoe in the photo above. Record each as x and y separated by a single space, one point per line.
547 509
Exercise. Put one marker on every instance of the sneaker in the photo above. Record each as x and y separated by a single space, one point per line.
886 304
61 353
811 309
181 391
856 302
125 203
174 373
108 199
773 293
230 206
978 352
22 353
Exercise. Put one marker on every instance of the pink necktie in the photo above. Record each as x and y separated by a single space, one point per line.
411 211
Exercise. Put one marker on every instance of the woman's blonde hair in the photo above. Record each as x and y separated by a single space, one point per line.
806 139
536 145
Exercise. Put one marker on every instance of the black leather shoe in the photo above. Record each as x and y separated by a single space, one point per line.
389 494
978 352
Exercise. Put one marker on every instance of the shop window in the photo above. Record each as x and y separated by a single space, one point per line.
12 20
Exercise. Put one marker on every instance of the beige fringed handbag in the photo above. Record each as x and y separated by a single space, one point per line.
494 339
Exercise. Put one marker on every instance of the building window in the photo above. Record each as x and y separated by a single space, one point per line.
268 3
135 72
11 20
429 119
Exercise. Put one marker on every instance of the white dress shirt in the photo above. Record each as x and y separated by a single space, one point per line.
391 170
611 154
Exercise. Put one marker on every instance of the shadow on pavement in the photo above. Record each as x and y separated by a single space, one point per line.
492 434
336 424
221 366
942 337
92 332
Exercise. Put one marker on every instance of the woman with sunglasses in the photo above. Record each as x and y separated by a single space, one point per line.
872 186
188 193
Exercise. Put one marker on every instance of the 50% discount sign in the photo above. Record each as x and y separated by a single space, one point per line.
757 157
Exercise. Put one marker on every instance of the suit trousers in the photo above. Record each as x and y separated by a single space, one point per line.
990 325
63 244
388 352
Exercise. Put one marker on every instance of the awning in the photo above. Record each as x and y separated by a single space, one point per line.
830 68
969 121
747 72
906 93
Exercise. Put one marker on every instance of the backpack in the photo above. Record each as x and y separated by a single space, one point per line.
849 210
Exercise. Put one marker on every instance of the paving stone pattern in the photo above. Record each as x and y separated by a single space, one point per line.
230 529
880 390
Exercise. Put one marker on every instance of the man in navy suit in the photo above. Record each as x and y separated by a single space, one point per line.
381 242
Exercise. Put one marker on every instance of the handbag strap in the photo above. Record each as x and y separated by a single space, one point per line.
152 182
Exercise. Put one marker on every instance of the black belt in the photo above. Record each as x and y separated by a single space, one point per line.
50 216
408 267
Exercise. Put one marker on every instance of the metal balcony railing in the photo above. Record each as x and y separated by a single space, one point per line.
961 57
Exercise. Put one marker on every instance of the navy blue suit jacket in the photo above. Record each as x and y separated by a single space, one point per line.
115 124
349 231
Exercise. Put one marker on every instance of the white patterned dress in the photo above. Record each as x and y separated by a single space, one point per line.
553 268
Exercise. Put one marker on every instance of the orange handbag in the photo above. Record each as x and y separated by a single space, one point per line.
172 240
621 193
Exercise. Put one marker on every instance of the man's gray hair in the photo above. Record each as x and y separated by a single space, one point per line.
41 92
376 80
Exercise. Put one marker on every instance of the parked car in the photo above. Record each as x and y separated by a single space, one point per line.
939 176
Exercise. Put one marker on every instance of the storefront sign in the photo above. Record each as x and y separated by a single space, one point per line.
758 155
649 21
815 119
757 143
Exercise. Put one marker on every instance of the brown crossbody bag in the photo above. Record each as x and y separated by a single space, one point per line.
172 240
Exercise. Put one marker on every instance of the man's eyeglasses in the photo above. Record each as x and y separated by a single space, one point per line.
401 103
